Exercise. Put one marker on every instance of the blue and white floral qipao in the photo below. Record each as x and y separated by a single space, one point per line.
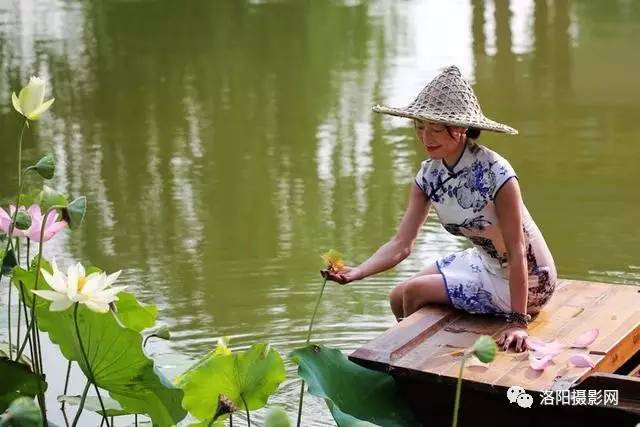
477 279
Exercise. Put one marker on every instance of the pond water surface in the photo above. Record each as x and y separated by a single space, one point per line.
224 145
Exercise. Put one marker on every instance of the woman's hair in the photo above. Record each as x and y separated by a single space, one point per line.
473 133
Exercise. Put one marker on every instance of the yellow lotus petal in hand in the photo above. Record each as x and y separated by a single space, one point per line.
333 259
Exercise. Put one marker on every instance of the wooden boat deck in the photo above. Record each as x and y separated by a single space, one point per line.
426 342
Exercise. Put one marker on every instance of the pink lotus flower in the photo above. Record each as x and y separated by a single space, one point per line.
5 222
51 228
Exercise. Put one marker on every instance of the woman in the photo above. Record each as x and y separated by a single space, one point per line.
509 269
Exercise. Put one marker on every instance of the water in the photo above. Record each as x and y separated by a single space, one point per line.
223 145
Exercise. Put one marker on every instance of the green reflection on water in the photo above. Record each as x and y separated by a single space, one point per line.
224 145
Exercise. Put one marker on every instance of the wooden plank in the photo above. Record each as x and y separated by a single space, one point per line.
568 302
404 336
459 334
597 315
428 340
506 361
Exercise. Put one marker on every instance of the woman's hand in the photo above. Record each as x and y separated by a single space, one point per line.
343 276
517 334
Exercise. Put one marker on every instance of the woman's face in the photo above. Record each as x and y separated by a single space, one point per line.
438 140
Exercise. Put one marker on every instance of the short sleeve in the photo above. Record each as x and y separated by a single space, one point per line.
420 178
503 171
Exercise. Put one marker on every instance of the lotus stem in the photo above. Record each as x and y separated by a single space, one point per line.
24 125
300 403
86 361
34 320
135 419
9 321
315 311
26 321
246 409
10 241
230 420
66 386
81 406
456 404
313 317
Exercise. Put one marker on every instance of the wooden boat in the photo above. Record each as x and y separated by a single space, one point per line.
420 352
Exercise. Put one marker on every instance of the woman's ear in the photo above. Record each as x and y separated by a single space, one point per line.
457 132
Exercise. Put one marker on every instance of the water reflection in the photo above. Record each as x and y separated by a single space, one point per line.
223 145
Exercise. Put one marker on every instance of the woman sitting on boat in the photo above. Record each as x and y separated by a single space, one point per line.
508 270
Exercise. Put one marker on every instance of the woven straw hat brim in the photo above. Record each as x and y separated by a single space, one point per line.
482 122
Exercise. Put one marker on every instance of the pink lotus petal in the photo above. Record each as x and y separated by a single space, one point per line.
586 338
539 364
34 210
545 348
581 360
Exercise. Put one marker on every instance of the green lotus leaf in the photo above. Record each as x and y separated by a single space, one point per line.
18 381
356 396
92 403
162 332
276 417
115 354
133 314
23 412
50 197
254 374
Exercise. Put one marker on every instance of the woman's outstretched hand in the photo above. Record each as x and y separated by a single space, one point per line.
514 335
343 276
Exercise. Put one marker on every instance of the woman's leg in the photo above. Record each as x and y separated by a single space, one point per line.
396 296
423 290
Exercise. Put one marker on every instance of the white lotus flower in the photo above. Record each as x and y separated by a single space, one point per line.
94 290
30 103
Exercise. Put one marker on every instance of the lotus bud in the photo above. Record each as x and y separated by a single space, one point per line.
23 220
485 349
30 103
45 167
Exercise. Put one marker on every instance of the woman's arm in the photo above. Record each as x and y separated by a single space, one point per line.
509 210
396 249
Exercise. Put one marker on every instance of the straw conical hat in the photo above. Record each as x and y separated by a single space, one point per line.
450 100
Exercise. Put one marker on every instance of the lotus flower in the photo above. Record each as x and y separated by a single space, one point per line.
585 339
5 222
52 227
334 260
31 102
94 290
